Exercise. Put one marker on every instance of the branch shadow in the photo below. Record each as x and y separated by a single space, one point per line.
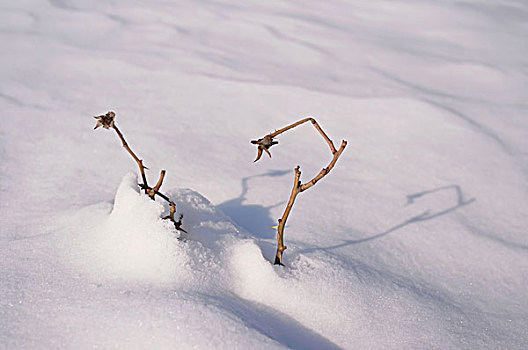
254 218
424 216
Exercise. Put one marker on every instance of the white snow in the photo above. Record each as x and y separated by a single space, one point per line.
416 239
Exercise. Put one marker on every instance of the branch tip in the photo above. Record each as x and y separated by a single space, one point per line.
106 120
264 144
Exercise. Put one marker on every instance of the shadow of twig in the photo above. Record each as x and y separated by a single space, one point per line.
254 218
425 216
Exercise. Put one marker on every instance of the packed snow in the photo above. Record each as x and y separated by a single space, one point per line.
417 239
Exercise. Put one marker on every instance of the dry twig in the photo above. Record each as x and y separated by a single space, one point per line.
107 121
177 224
265 143
152 192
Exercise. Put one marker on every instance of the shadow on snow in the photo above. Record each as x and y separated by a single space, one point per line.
424 216
254 218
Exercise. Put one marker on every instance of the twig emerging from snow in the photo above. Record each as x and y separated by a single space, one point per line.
282 221
172 211
265 143
107 121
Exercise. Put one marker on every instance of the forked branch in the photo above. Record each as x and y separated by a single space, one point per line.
152 192
265 143
326 170
107 121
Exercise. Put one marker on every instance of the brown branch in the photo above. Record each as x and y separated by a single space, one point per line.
315 124
327 139
291 126
156 192
138 161
326 170
282 221
107 121
265 143
152 192
172 211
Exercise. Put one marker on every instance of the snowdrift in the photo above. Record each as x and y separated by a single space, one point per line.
130 248
416 240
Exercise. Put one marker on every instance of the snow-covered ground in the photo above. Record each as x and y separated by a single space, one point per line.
416 240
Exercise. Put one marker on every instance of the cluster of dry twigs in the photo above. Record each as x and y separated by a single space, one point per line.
107 121
265 143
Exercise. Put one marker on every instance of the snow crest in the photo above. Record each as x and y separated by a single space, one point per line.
133 243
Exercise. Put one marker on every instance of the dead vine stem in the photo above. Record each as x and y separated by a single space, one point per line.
107 121
265 143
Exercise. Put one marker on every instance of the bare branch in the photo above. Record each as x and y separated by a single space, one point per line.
138 161
282 221
265 143
326 170
107 121
172 211
327 139
155 192
291 126
152 192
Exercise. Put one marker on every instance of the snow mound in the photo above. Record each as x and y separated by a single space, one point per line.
305 289
220 262
133 243
215 260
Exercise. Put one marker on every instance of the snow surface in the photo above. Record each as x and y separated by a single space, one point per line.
417 239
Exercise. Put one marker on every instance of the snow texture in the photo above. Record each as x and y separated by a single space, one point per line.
417 239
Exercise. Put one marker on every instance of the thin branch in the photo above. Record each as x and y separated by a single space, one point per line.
156 192
265 143
326 170
315 124
172 211
282 221
291 126
138 161
152 192
327 139
107 121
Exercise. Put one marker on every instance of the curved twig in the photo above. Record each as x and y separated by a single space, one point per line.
107 121
265 143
